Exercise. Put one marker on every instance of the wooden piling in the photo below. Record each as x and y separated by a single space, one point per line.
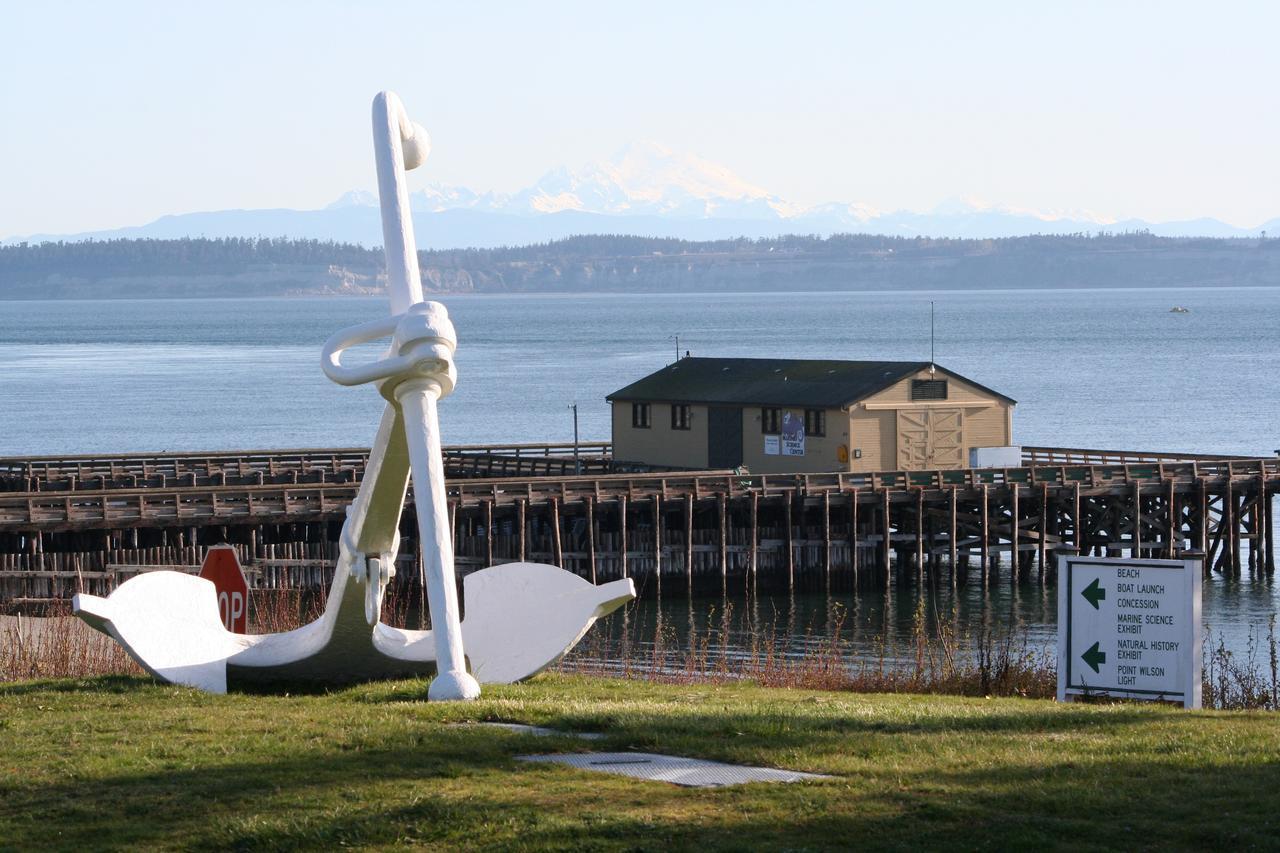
789 535
951 537
826 536
1202 498
1268 530
1268 522
755 536
688 541
557 547
622 536
1135 547
488 533
920 537
454 535
1044 531
986 534
657 542
723 540
1228 524
1015 535
886 541
853 535
521 509
591 536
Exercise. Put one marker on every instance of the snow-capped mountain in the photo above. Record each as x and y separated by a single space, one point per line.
644 179
647 178
646 189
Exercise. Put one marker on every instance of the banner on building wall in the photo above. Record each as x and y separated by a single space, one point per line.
772 445
792 435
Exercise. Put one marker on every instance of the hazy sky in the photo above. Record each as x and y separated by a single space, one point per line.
115 113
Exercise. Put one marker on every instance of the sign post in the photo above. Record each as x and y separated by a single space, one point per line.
222 566
1129 628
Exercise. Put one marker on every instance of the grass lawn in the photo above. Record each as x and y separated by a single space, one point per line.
125 763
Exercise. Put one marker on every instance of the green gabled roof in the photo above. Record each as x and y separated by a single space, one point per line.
811 383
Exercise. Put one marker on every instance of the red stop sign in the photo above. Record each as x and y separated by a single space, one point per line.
222 566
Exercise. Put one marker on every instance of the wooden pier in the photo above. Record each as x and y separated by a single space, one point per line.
87 523
285 467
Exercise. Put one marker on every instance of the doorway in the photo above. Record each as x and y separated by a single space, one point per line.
724 437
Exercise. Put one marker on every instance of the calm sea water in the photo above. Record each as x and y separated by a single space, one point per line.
1109 369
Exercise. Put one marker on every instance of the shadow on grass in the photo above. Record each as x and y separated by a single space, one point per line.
98 684
183 798
1110 805
468 792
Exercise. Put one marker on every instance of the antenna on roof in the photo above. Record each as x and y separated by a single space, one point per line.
931 365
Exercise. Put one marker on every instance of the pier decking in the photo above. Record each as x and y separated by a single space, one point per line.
283 467
87 522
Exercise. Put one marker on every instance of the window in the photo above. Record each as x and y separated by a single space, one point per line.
769 421
679 416
928 389
815 422
640 415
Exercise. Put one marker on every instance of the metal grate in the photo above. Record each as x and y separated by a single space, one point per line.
928 389
689 772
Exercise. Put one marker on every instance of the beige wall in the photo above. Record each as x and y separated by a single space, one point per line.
958 391
820 453
875 433
660 444
989 427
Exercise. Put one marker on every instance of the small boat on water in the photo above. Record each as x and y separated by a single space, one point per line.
1179 309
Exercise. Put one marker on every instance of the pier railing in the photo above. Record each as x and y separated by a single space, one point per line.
327 466
262 467
1032 456
713 483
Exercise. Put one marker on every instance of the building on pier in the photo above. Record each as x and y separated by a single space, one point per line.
803 415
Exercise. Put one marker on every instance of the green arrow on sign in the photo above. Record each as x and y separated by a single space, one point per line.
1092 656
1094 593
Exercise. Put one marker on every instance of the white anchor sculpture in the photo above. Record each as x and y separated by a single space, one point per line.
521 617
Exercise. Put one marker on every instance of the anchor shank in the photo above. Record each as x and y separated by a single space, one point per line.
417 399
392 130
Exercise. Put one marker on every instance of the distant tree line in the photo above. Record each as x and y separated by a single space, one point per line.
836 246
618 262
101 258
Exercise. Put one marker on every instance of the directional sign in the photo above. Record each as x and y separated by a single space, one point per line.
222 566
1129 628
